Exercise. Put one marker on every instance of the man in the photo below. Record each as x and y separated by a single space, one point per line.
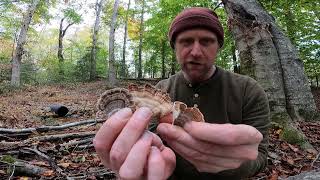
231 144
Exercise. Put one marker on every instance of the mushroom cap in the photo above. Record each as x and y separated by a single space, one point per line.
146 95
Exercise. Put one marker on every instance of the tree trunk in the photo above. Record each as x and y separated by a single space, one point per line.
62 33
123 67
112 76
16 60
163 53
268 56
236 67
140 43
173 65
93 60
60 45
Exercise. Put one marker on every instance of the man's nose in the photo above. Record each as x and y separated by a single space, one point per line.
196 49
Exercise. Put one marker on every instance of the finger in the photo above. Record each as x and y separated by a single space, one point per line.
108 132
224 134
196 156
129 136
177 134
156 165
170 160
156 141
133 166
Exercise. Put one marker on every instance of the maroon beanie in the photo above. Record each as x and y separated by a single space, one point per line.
196 17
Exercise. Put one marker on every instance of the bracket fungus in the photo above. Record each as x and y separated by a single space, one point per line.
146 96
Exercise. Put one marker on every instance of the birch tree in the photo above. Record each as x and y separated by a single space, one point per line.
123 64
98 8
112 76
141 41
16 60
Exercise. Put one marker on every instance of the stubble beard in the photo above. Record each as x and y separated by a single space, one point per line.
202 73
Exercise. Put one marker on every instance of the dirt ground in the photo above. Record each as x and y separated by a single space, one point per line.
30 108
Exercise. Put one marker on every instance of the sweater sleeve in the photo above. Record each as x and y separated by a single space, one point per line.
256 113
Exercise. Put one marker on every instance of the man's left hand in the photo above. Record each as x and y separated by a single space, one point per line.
212 147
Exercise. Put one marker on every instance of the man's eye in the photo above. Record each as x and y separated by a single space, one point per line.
186 42
207 41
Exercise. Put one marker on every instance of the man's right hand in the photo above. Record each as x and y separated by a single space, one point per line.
123 145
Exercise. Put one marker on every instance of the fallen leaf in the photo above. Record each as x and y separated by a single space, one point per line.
48 173
64 165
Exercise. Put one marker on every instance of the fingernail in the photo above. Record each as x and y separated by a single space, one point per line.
144 112
154 149
146 135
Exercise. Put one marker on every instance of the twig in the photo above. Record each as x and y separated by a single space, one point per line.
49 128
317 157
45 157
14 168
12 145
72 143
217 6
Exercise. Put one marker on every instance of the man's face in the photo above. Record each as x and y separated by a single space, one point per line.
196 51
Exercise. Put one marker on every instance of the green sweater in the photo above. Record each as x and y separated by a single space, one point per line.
225 98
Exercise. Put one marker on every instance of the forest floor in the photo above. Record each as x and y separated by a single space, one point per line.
68 152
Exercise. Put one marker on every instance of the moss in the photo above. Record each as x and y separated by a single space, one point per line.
8 159
281 118
292 136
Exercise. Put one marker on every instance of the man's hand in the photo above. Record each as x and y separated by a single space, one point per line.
124 146
212 147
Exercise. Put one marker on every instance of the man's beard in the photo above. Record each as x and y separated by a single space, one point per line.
197 72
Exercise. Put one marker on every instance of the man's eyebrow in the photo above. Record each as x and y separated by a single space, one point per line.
184 39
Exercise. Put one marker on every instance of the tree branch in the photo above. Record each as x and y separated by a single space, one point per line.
65 30
48 128
12 145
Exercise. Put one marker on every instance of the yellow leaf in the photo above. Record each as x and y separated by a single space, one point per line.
64 165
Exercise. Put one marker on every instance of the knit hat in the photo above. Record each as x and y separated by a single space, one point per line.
196 17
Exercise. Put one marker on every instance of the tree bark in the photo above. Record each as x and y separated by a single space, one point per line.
16 61
268 56
140 43
112 76
236 67
163 58
93 60
173 65
124 67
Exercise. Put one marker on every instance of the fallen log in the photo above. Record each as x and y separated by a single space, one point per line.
13 145
49 128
